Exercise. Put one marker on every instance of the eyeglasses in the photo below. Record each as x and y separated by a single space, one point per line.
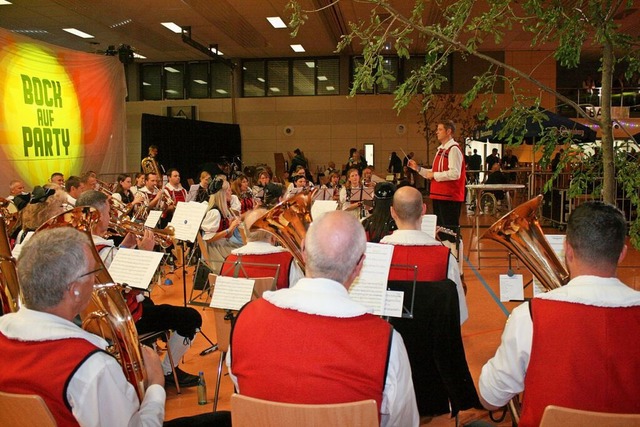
97 270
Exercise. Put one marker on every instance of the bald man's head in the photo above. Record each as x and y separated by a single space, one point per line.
407 204
334 246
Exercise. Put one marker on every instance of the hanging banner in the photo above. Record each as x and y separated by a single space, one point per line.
60 111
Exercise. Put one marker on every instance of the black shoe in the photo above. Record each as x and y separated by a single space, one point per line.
184 379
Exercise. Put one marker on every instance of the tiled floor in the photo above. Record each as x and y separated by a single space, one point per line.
481 333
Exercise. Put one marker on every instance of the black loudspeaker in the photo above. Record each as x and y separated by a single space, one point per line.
201 277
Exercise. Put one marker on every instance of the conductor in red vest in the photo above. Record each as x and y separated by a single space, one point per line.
576 346
447 176
313 344
414 246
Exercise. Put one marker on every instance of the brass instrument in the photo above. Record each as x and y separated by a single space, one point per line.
122 226
109 187
289 221
520 232
107 314
10 292
117 207
10 214
150 165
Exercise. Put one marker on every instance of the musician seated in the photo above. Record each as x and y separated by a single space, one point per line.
73 188
45 203
346 197
328 348
575 346
240 188
149 317
174 193
152 195
261 249
299 183
273 194
380 223
435 262
496 176
17 195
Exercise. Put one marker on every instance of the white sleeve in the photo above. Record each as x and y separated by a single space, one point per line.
343 198
211 222
502 377
100 395
117 196
399 407
455 166
235 203
454 274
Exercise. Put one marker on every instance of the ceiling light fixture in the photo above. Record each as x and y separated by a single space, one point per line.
330 88
274 89
78 33
121 23
4 2
297 48
146 84
216 51
310 64
138 56
260 79
200 82
322 78
276 22
30 31
171 70
222 91
173 27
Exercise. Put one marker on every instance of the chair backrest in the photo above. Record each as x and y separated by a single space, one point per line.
558 416
202 245
24 410
248 411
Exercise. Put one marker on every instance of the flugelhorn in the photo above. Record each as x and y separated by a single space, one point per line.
520 232
122 226
107 314
289 221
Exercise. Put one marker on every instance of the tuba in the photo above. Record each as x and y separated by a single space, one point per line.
10 289
149 165
289 221
520 232
107 314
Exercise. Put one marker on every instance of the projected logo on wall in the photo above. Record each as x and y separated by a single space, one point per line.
41 113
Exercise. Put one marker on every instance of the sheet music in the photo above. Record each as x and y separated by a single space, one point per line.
321 207
15 252
134 267
511 288
152 219
393 303
231 293
370 287
187 219
429 224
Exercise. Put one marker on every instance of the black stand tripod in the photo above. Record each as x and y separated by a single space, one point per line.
213 347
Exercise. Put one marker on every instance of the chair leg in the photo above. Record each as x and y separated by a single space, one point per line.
217 391
173 370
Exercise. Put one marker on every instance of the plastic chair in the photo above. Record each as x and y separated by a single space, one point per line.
558 416
248 411
24 410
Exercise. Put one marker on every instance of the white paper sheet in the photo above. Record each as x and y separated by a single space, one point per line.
134 267
193 192
321 207
187 219
152 219
370 287
393 303
15 252
231 293
511 288
429 224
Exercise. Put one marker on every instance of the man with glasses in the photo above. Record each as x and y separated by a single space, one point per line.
45 353
149 317
313 344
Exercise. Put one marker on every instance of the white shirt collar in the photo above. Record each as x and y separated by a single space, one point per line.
596 291
258 248
410 238
322 297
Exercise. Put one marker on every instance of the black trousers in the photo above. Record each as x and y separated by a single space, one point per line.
184 320
448 213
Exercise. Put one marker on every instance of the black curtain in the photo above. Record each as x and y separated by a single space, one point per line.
188 145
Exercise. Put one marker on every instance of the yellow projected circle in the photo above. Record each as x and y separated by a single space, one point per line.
42 130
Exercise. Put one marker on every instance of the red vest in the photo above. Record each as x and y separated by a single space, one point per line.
177 195
447 190
582 357
44 368
283 259
432 262
289 356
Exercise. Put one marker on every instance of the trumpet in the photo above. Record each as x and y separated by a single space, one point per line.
109 187
165 200
122 226
122 208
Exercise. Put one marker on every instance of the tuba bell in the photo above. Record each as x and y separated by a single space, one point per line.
289 221
520 232
150 165
107 314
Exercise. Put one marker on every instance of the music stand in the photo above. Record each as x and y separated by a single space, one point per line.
324 193
407 286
